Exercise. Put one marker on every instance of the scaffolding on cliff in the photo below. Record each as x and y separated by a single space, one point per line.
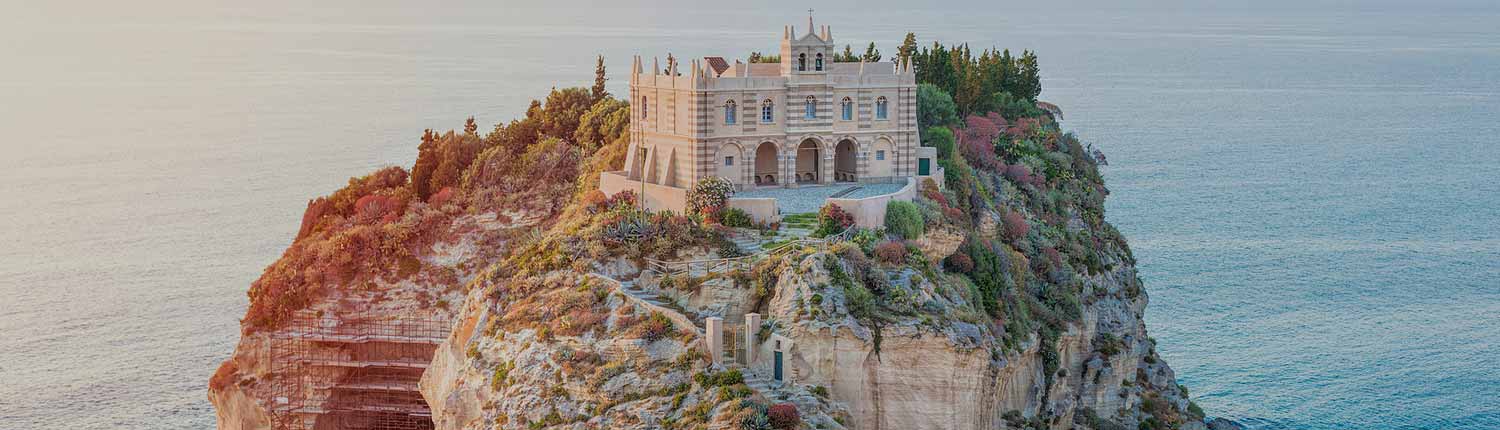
352 371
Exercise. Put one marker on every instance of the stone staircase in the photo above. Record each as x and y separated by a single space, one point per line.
798 226
761 383
750 243
654 302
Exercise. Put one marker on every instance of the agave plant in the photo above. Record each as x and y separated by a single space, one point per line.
756 421
627 229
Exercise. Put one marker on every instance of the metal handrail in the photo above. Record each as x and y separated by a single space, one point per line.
667 267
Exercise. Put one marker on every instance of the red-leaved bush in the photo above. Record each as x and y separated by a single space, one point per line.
1024 127
441 198
377 207
623 198
1015 225
1053 256
954 214
891 252
959 262
315 210
784 416
998 120
832 219
593 199
931 192
976 142
1023 175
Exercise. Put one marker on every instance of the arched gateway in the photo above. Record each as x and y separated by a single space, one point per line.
765 164
845 165
808 162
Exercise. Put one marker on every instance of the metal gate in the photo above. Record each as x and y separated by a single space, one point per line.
734 343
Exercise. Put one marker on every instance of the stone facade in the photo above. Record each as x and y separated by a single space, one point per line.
808 120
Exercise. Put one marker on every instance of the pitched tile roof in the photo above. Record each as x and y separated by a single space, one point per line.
718 64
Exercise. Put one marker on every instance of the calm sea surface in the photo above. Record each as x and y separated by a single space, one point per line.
1311 192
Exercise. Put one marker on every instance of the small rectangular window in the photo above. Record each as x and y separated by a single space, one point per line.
728 161
880 155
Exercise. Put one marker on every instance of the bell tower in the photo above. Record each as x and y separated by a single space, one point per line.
811 52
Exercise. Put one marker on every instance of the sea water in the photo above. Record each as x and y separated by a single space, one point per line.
1310 189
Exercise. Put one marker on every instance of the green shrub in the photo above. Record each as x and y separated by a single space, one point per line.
935 107
940 138
719 379
860 300
734 217
501 378
1108 344
755 421
655 327
903 219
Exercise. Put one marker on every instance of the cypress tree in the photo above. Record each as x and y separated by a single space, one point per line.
598 92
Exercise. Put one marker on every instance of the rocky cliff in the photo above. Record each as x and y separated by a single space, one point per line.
998 299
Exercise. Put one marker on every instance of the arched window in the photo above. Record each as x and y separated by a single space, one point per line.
767 111
846 107
730 115
802 62
811 111
644 107
880 108
820 62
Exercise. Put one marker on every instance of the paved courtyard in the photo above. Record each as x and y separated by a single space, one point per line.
811 197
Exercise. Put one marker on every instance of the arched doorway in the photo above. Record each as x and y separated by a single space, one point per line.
807 162
765 164
845 168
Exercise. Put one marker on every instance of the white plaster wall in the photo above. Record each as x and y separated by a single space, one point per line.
869 212
759 209
657 197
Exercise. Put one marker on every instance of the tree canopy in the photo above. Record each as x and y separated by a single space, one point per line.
975 81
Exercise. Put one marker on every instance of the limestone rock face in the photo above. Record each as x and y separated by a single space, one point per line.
501 371
1224 424
940 243
938 371
250 385
236 404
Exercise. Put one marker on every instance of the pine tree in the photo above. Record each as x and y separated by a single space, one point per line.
470 128
1031 74
847 56
598 92
908 48
421 171
872 55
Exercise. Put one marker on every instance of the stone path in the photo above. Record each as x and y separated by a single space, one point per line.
872 190
797 200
